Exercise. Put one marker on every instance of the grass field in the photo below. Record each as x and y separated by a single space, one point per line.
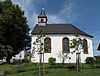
61 72
6 66
54 71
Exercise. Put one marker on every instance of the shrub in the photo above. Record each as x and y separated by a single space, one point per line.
17 61
57 66
26 60
7 72
21 68
86 66
90 60
72 66
98 66
60 66
97 59
52 60
95 66
27 64
34 67
31 68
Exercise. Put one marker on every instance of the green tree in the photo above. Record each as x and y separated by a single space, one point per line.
5 50
78 44
39 48
63 56
14 30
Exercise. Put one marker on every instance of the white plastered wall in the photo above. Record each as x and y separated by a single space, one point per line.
56 47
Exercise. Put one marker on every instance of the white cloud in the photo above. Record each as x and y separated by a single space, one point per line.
33 20
68 11
30 10
96 42
54 19
65 15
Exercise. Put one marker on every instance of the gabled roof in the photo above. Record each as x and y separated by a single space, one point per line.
59 29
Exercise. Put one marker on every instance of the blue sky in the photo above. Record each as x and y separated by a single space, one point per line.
84 14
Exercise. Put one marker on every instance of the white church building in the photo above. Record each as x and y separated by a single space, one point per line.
59 37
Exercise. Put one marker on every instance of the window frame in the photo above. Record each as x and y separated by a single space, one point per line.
86 46
63 45
50 45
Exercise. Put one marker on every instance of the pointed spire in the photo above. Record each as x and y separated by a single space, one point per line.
42 14
42 18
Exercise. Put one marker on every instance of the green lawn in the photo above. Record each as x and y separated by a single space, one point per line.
61 72
6 66
87 71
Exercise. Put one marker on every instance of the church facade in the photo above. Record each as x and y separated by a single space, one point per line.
58 37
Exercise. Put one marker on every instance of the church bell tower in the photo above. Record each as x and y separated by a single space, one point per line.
42 18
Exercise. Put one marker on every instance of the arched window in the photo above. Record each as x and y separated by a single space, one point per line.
85 46
47 45
65 43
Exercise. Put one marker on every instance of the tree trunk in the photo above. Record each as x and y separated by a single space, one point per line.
63 61
40 64
8 59
43 65
78 62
